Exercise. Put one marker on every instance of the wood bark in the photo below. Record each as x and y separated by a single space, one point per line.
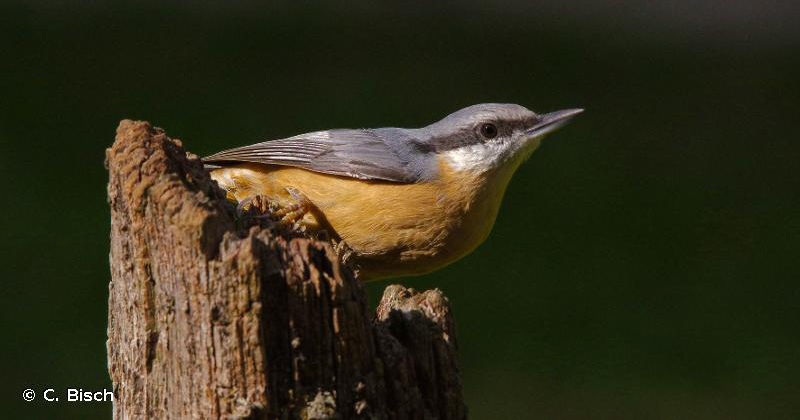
211 320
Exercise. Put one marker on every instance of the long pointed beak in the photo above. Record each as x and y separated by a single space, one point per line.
551 121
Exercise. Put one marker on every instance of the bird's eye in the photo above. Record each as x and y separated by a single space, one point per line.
489 131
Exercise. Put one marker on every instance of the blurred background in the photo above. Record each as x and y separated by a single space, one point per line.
644 264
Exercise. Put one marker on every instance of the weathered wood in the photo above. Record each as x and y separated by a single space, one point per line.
208 320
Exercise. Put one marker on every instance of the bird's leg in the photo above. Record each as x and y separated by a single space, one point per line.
244 205
258 206
262 207
343 250
347 256
294 213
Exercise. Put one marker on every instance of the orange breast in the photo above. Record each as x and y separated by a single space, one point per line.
394 229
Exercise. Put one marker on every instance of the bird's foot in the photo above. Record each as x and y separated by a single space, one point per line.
257 206
346 256
292 214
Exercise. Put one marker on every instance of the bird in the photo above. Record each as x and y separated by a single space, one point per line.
401 201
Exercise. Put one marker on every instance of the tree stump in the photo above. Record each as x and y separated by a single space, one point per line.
209 320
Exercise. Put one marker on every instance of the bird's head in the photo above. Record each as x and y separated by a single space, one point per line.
483 137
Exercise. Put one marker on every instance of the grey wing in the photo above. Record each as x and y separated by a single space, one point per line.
361 154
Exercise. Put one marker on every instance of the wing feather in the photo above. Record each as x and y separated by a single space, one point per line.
362 154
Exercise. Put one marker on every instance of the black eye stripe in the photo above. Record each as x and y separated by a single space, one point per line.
471 134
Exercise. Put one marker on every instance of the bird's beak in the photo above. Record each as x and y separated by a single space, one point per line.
551 121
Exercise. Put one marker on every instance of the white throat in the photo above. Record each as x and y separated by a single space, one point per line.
483 157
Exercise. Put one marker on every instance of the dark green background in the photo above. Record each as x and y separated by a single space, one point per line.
644 264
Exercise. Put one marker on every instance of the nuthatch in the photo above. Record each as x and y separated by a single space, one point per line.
405 201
